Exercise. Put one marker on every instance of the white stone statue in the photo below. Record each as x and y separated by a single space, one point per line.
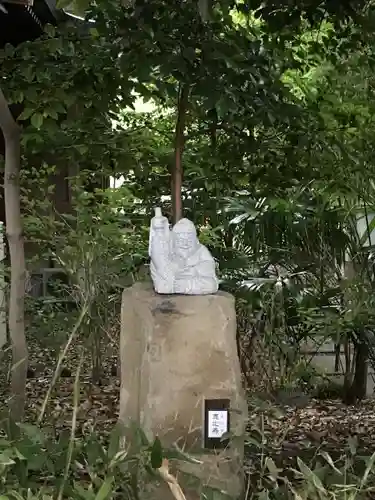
179 263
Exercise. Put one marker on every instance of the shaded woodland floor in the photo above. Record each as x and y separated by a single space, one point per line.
274 430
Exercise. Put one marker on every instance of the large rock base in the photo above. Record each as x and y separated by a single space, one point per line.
177 351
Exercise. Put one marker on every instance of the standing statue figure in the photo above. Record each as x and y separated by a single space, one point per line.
179 263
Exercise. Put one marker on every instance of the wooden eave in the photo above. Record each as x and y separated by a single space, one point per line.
25 22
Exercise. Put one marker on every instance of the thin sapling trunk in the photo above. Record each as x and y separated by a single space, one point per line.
183 99
16 313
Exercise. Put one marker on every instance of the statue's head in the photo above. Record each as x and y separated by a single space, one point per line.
185 236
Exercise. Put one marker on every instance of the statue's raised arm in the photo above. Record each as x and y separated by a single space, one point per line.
179 263
159 250
159 240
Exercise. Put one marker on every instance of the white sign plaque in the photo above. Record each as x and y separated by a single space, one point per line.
217 423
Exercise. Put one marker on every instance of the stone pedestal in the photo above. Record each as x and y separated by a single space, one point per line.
177 351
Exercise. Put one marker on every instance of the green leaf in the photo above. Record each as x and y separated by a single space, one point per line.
369 469
114 440
328 458
271 466
5 460
63 4
50 30
37 461
9 50
95 451
309 476
19 97
105 489
82 149
156 454
263 495
142 439
26 113
121 457
33 432
85 494
369 229
15 494
37 120
94 32
52 113
19 454
180 455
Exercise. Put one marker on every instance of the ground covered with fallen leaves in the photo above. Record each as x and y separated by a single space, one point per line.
321 426
280 431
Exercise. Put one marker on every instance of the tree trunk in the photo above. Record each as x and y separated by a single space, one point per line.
361 370
337 357
348 375
16 316
355 390
183 99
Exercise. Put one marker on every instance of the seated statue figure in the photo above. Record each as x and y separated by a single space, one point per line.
179 263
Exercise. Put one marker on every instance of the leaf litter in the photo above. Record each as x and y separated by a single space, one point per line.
282 432
99 402
319 428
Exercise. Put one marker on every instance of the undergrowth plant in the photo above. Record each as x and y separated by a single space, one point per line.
41 464
314 474
34 465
